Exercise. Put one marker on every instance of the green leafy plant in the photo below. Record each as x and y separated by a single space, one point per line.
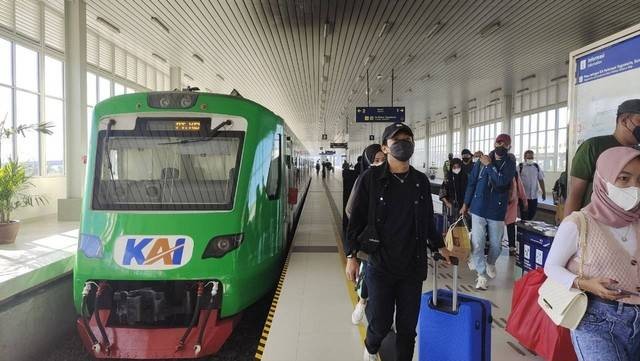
14 182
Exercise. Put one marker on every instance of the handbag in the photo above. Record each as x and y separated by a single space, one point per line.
530 325
457 239
566 307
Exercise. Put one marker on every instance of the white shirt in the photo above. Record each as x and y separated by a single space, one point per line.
530 176
565 247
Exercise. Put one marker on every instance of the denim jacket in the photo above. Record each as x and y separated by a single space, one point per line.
487 192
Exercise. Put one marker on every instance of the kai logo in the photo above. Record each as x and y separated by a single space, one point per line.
153 252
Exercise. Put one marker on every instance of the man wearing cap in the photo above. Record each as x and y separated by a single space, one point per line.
467 163
486 199
583 166
392 219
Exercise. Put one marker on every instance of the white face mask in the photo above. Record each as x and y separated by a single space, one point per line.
625 198
456 171
529 161
475 159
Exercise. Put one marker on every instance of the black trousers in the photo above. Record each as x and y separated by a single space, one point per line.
386 293
532 208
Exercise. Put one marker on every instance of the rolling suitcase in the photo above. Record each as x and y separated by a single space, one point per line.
452 326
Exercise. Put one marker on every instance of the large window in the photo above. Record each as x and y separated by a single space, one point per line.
482 137
545 133
437 150
273 180
32 92
455 143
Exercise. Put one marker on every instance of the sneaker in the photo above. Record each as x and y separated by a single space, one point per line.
369 357
481 283
358 313
512 252
472 266
491 270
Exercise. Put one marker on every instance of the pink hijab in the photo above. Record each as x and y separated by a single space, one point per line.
608 166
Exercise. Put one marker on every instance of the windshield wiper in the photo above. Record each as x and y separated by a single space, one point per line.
214 132
106 148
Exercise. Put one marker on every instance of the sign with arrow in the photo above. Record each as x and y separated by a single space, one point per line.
379 114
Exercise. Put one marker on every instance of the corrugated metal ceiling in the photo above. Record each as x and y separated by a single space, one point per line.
306 59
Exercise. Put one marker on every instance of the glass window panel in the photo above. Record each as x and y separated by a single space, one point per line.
27 114
89 115
562 163
516 123
525 143
551 119
533 119
498 128
525 124
551 141
562 140
542 121
92 96
104 88
54 143
53 78
118 89
6 116
562 117
26 68
542 142
5 62
130 90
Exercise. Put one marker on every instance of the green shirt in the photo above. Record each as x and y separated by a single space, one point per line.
583 165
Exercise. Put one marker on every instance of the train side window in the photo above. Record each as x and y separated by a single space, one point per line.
275 171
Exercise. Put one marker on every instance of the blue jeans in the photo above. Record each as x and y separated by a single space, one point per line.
608 333
479 227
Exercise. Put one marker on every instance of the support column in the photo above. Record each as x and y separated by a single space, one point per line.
175 78
75 90
464 126
507 109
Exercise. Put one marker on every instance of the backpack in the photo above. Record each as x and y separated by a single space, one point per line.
534 164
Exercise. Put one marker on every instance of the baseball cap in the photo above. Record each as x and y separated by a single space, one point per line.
466 152
393 129
504 138
629 106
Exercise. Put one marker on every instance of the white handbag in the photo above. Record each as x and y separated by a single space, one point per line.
566 307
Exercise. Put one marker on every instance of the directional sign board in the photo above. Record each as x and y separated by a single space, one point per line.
379 114
338 145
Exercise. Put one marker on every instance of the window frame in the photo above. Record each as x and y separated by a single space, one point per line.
276 195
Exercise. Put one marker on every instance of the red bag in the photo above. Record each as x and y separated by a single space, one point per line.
532 327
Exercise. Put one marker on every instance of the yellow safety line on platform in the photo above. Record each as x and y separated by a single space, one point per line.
350 287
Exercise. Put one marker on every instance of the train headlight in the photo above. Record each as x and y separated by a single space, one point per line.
221 245
90 245
172 100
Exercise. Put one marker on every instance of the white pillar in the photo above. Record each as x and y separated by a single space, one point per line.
75 90
175 78
508 114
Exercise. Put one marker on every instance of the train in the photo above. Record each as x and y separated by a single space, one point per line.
189 203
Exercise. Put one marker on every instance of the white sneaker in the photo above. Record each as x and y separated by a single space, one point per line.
491 270
481 283
368 356
472 266
358 313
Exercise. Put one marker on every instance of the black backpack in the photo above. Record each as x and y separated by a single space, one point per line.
535 165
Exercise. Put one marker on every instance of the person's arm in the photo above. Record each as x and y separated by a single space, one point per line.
541 181
352 196
563 248
575 196
359 214
433 236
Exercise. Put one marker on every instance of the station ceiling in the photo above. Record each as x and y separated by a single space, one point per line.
307 59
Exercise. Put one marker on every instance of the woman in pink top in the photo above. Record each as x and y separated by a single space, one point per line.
610 328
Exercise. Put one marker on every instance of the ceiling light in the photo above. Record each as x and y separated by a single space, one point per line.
452 108
368 60
435 29
451 58
360 77
220 77
198 58
528 77
409 90
471 100
408 59
521 90
425 77
160 23
326 59
379 76
327 29
188 76
353 91
495 90
386 26
438 114
558 78
473 107
494 100
108 24
159 57
490 28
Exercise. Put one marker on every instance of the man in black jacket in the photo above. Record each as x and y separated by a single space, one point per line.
403 223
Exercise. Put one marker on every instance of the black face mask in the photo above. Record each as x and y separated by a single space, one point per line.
501 151
636 133
402 150
466 160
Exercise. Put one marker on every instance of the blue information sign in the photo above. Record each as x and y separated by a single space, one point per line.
614 59
379 114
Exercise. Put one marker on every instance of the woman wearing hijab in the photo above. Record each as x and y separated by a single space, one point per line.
453 189
610 328
371 157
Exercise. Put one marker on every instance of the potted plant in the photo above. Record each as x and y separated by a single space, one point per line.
15 184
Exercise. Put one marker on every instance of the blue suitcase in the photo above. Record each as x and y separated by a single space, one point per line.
452 326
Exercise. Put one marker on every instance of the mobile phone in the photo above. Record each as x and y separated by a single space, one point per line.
623 292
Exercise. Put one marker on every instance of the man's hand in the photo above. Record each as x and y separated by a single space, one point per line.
352 269
544 196
446 254
485 160
447 203
464 210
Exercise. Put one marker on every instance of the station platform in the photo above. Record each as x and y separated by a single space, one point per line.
312 316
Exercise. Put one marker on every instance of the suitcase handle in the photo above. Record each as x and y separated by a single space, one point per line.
454 261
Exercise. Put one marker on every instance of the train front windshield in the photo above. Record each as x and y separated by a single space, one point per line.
166 168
